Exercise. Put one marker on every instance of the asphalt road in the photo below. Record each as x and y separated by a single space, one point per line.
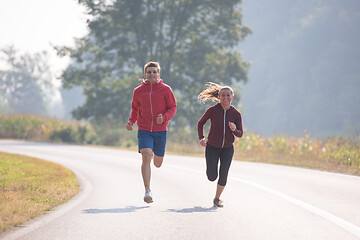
261 201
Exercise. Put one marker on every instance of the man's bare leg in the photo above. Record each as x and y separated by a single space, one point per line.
158 161
146 154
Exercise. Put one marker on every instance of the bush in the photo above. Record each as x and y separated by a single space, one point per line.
35 128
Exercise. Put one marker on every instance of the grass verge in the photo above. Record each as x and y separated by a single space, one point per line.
30 187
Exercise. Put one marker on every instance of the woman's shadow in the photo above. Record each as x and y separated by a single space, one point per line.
193 210
126 209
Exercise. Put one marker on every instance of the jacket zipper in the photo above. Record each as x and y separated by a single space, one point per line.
224 130
151 110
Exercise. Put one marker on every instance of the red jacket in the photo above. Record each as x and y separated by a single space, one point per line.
150 100
220 134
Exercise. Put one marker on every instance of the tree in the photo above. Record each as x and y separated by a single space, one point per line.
193 40
26 87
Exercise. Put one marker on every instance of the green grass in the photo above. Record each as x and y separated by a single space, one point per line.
335 154
30 187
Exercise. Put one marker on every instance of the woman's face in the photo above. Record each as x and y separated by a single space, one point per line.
226 97
152 74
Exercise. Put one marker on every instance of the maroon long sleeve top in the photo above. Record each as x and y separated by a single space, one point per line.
220 134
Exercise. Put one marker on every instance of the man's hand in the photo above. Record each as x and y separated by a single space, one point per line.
159 119
129 126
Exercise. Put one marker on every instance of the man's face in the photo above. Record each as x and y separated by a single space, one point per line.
152 74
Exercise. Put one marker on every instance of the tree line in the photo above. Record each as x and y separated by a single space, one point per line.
195 41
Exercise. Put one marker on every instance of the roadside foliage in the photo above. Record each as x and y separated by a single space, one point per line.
337 154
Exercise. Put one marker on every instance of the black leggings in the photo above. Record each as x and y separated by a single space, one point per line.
212 155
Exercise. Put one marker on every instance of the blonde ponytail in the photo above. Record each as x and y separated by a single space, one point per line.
212 92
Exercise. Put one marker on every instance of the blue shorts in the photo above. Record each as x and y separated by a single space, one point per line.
154 140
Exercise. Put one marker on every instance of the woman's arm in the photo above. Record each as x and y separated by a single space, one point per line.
201 123
238 132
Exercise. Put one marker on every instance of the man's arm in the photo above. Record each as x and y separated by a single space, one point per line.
170 105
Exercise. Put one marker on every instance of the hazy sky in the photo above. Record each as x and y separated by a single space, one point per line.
33 26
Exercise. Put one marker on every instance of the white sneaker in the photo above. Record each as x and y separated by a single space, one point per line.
148 196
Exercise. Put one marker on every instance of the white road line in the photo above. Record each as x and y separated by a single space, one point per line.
350 227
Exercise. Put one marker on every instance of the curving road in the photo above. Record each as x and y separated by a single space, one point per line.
262 201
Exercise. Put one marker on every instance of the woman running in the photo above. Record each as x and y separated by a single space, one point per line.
225 124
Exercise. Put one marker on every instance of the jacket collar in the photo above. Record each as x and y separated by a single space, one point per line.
218 105
145 82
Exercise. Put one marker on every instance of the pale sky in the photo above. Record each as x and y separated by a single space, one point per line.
33 26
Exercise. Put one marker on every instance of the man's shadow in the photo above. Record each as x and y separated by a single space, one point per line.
193 210
126 209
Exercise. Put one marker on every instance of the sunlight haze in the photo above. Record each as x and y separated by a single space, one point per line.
34 26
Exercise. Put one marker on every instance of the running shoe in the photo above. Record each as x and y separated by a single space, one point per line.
218 203
148 196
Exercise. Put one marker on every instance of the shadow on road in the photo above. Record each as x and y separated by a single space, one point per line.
113 210
193 209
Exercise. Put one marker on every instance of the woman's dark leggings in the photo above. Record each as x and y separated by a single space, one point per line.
212 155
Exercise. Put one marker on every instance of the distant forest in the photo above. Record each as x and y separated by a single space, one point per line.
304 72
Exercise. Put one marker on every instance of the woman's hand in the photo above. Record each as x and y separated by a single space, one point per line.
129 126
232 126
203 142
159 119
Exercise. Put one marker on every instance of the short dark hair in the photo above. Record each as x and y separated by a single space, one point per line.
152 64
